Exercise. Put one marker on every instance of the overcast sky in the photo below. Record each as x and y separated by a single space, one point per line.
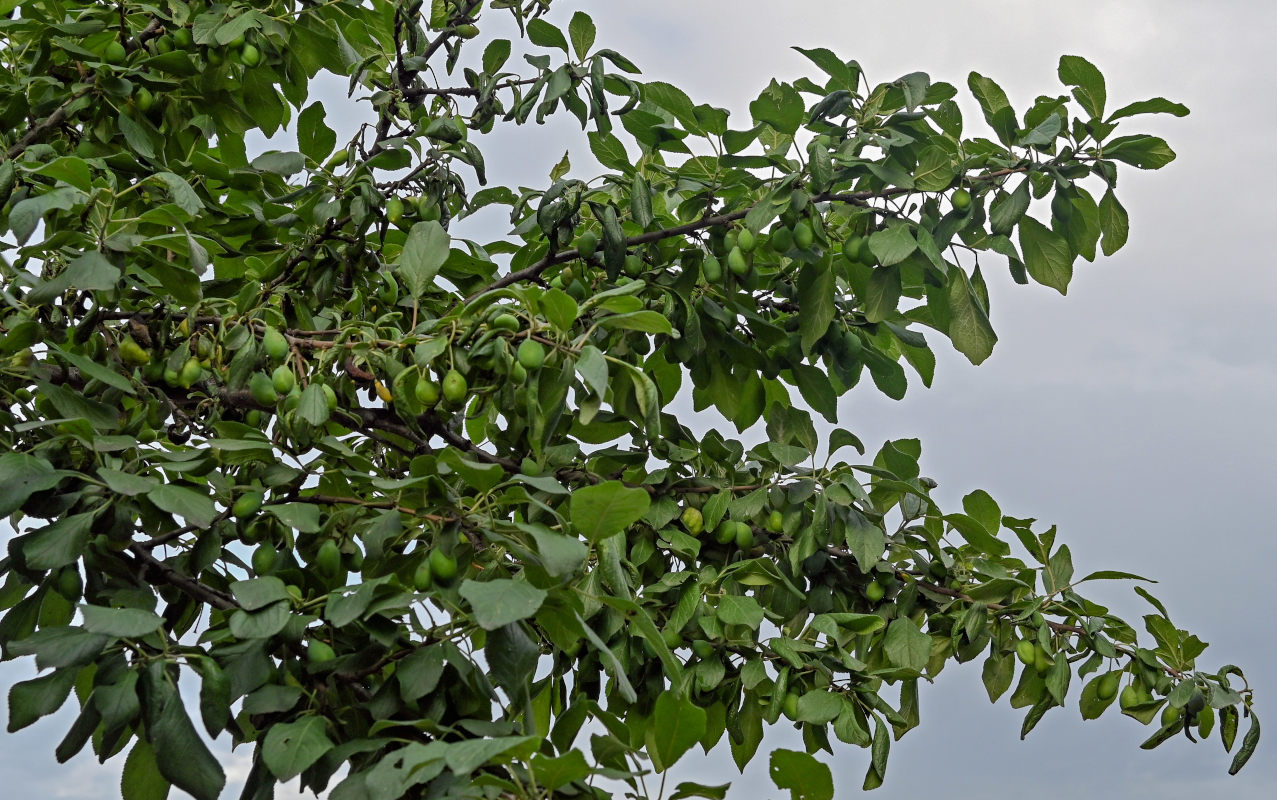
1137 413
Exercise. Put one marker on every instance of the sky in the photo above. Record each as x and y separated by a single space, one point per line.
1135 413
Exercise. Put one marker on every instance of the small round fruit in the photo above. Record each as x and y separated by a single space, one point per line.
132 354
182 38
746 240
70 585
466 31
115 53
672 638
804 237
505 322
1026 651
143 100
190 373
529 467
587 244
737 262
744 536
633 265
693 521
330 396
454 387
1169 715
518 373
250 56
531 354
442 566
961 200
262 390
283 379
790 705
274 343
427 392
1041 661
702 648
1130 697
264 558
247 504
164 44
776 521
875 591
725 532
328 558
394 209
318 652
423 578
712 269
1107 686
781 240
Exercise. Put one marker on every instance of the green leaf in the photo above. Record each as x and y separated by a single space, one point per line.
543 34
581 32
779 106
559 308
818 707
553 773
127 623
906 646
1046 255
866 542
561 554
261 624
60 647
677 724
312 406
1249 742
91 271
977 536
969 327
423 254
501 601
291 747
800 773
181 192
193 506
301 517
141 779
816 298
38 697
466 756
59 543
1088 82
606 509
1114 223
280 163
893 244
935 171
182 756
1008 209
512 657
314 138
495 55
739 610
1144 152
21 476
259 592
1157 105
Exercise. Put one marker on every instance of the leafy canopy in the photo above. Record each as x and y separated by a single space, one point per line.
419 505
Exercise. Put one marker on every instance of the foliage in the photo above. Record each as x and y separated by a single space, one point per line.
419 505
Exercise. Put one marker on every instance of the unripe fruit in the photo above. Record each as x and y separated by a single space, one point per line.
454 387
264 558
328 559
182 37
236 43
171 376
1107 687
518 373
744 536
529 467
247 504
283 379
114 53
250 56
875 591
1041 661
790 705
164 44
319 652
442 566
961 200
1169 715
745 240
804 237
781 239
737 263
1130 697
725 532
633 265
190 373
70 585
427 392
712 269
262 390
143 100
422 578
702 648
693 521
330 396
466 31
274 343
776 521
132 354
394 209
506 322
1026 651
587 244
531 354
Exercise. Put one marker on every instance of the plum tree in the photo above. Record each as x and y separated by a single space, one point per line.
412 508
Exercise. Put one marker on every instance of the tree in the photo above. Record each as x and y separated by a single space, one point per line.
420 506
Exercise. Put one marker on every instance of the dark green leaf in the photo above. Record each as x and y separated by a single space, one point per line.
501 601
